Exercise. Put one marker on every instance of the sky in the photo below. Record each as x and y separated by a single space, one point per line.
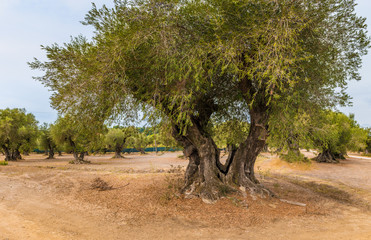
27 24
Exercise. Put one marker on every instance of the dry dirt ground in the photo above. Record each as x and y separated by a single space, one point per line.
51 199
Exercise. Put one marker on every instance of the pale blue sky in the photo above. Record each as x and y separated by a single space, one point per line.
27 24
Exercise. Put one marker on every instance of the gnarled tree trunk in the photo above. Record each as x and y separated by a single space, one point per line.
8 156
79 158
13 155
51 152
206 176
118 150
326 156
241 173
141 150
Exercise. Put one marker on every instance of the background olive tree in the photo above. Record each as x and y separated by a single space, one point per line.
18 132
117 138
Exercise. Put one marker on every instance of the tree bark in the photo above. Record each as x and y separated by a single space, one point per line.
15 155
118 150
79 158
326 156
206 176
241 173
51 152
203 177
8 156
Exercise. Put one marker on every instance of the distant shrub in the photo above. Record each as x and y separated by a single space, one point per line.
3 163
293 157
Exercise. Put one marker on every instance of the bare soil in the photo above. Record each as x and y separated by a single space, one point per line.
137 198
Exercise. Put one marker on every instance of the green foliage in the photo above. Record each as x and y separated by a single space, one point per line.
74 137
164 136
3 163
290 51
18 132
338 133
231 132
293 157
290 130
45 140
191 61
140 140
116 138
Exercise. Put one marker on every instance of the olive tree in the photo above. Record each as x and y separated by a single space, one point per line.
46 141
75 138
18 131
335 134
191 61
140 139
116 139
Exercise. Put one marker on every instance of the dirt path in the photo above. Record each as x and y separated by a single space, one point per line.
53 200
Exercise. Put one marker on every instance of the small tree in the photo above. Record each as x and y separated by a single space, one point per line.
332 136
289 132
46 141
116 138
140 140
18 132
77 138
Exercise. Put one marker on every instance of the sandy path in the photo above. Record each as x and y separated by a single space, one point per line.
30 211
33 207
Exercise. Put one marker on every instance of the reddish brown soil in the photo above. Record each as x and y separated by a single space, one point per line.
43 199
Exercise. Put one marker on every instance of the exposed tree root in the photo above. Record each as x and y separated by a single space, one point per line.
212 191
118 156
79 161
326 157
255 188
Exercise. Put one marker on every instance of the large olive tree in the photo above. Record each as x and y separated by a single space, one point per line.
190 61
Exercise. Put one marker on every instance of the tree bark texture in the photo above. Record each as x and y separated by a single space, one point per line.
78 156
206 176
118 150
326 156
51 152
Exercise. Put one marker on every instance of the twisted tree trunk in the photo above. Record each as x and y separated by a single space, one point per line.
8 156
207 177
51 152
203 178
118 150
78 156
326 156
242 173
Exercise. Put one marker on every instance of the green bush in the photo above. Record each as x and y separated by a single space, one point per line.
4 163
293 157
